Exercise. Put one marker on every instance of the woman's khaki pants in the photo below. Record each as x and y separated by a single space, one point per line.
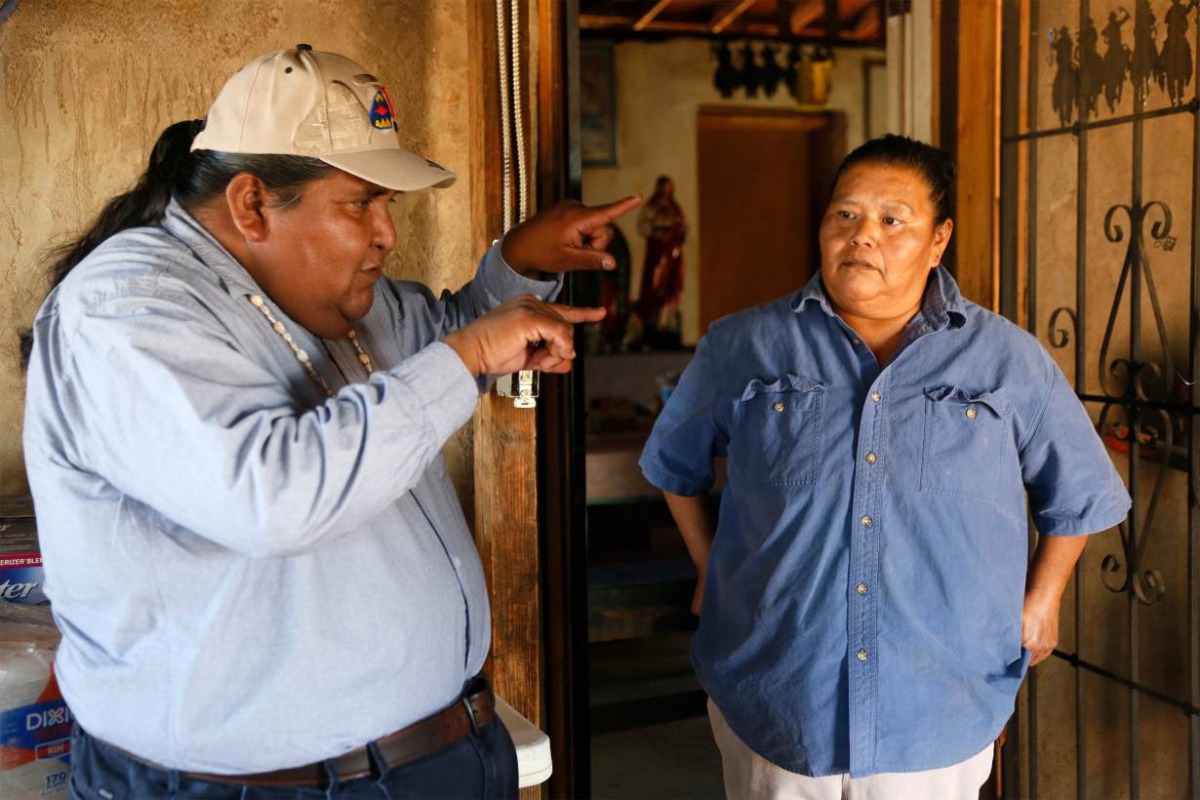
749 776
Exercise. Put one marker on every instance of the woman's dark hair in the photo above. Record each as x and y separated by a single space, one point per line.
934 165
192 178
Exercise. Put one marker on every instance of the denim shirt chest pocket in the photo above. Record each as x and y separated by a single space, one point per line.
967 442
776 431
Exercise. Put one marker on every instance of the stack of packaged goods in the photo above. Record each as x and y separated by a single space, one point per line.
35 723
20 556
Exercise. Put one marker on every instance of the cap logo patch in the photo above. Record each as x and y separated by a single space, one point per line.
382 116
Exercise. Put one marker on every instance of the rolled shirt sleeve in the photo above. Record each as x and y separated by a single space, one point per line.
689 433
1073 487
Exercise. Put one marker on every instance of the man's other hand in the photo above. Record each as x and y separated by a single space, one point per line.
565 237
524 333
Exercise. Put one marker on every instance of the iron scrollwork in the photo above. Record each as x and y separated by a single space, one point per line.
1128 384
1058 334
1124 573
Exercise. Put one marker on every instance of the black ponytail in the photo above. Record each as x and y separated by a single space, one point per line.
192 178
144 204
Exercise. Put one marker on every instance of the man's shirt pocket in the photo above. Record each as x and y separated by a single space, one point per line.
775 435
967 445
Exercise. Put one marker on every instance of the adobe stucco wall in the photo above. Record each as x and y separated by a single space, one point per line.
87 85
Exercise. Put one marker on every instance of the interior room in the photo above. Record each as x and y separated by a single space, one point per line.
747 153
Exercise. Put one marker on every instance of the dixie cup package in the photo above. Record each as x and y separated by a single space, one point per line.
35 723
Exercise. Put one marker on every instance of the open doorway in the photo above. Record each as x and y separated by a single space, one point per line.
742 162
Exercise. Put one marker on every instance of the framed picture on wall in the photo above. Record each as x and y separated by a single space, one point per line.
597 105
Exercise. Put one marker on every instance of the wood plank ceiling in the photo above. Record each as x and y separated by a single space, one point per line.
840 22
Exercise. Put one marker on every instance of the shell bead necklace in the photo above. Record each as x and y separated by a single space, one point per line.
299 352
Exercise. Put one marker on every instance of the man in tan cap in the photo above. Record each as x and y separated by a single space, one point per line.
234 422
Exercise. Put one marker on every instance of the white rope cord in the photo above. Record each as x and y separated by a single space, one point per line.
522 386
518 123
505 144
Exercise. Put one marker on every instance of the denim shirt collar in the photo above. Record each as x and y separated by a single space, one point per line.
942 305
184 227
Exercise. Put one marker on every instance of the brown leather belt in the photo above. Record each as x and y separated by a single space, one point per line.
476 708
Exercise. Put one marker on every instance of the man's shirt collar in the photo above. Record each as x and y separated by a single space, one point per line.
187 229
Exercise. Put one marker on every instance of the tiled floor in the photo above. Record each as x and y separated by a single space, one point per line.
657 762
650 739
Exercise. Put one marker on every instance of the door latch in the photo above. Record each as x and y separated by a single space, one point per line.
521 386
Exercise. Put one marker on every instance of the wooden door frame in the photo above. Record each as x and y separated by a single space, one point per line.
529 509
535 517
561 449
976 55
505 441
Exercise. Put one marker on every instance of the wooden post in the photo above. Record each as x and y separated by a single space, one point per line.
506 521
977 226
507 534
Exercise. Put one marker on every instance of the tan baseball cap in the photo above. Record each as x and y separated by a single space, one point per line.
303 102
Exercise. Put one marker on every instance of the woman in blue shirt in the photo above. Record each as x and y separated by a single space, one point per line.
868 614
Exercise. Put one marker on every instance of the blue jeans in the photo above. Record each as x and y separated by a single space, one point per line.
482 765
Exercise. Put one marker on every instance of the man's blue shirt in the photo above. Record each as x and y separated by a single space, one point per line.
249 574
862 611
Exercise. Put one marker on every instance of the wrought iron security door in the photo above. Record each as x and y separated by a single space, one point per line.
1100 180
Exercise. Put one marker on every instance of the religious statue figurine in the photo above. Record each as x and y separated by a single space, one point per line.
662 223
609 290
614 293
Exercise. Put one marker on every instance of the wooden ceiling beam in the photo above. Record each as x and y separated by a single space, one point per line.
609 22
849 9
600 21
649 16
727 13
806 13
858 20
867 26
